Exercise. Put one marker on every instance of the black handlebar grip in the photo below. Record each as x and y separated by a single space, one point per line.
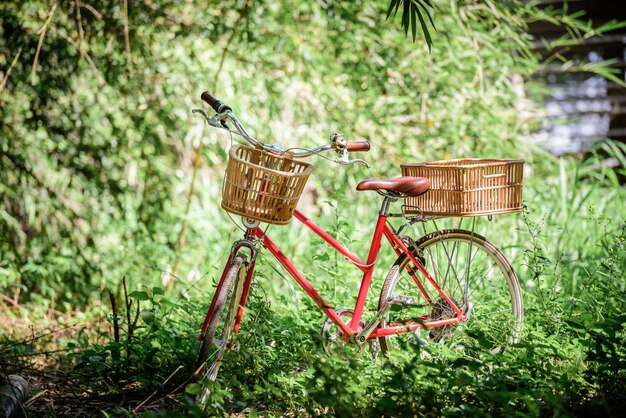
216 104
209 98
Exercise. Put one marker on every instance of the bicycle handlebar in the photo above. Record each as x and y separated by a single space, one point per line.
217 105
224 113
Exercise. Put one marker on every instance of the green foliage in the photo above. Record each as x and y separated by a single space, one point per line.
146 348
98 149
86 165
412 11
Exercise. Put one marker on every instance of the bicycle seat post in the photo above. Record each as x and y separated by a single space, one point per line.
384 208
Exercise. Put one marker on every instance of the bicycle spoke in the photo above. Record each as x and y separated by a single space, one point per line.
473 274
450 263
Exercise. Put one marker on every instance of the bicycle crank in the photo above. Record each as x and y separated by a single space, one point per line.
332 336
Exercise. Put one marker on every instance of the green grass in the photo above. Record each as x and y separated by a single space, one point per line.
569 362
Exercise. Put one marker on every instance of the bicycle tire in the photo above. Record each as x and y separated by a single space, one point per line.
479 281
211 354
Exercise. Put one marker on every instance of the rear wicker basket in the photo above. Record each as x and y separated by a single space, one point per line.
263 186
467 187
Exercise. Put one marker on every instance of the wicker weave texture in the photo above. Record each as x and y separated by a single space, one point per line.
263 186
467 187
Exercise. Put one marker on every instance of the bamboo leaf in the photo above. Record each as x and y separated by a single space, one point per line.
609 26
429 40
414 11
429 4
394 4
406 16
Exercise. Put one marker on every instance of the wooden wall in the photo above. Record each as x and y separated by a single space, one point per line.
580 105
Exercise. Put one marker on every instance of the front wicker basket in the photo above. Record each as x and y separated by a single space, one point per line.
263 186
467 187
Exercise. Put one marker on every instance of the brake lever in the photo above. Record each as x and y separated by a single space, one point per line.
344 160
360 161
213 121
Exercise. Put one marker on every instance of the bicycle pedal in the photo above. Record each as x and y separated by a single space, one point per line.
374 349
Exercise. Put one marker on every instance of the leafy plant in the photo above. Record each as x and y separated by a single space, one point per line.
412 11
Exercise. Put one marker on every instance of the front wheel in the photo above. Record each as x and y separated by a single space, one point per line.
217 336
472 272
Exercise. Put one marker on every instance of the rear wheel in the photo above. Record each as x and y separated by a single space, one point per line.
218 333
473 273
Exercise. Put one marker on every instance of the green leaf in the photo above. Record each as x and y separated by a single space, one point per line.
148 316
394 4
193 389
406 17
429 40
414 12
430 18
139 295
576 325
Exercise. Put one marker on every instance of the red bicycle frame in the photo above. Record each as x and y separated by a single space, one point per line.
350 330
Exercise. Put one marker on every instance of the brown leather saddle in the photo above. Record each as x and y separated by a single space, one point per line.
399 187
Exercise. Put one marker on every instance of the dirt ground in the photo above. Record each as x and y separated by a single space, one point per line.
38 347
59 393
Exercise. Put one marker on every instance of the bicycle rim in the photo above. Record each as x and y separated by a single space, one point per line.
474 274
218 334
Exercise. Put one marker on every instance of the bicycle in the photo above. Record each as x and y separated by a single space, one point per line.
438 282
